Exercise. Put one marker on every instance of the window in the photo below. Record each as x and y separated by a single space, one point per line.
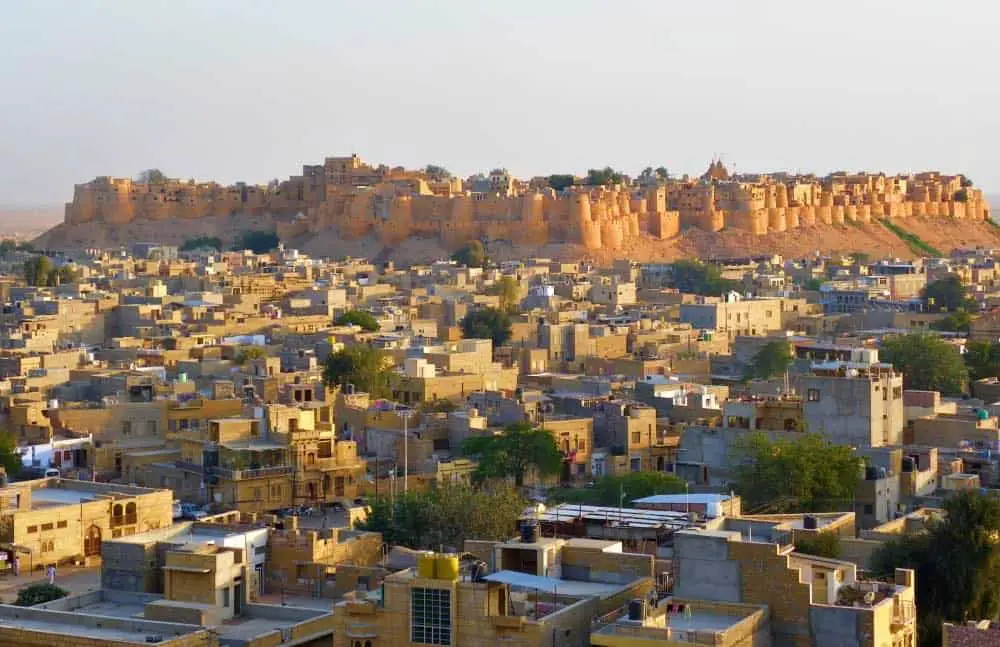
812 395
47 526
868 509
225 597
61 524
430 616
127 428
32 528
150 427
636 437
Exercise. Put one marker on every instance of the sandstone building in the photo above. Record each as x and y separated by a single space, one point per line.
357 199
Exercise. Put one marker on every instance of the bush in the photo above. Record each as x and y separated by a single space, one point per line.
201 242
824 544
365 320
258 242
38 594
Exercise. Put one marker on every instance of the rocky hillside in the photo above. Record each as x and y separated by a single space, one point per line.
916 237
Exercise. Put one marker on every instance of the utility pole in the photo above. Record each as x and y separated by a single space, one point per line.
406 451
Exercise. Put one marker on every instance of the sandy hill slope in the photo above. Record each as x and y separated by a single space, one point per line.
941 234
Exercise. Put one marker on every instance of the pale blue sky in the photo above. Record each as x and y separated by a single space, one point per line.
251 90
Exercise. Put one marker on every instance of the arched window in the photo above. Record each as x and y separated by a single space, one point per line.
130 513
117 515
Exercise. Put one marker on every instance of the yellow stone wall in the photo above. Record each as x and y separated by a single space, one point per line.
393 204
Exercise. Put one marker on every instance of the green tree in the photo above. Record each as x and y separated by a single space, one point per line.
39 593
946 295
152 176
258 242
823 544
514 452
603 177
959 321
7 247
928 363
37 270
560 182
446 515
662 172
368 369
487 323
509 291
201 242
982 359
436 172
695 277
813 284
472 254
962 195
956 561
772 360
250 353
806 474
608 490
10 460
365 320
61 275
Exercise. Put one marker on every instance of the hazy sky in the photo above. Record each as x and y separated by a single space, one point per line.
251 90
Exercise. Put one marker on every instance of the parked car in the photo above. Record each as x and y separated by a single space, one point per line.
191 511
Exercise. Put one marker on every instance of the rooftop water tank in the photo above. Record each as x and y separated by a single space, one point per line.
426 566
446 567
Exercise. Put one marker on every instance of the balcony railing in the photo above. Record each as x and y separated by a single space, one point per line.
255 473
188 466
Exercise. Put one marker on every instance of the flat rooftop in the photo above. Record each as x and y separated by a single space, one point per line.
569 588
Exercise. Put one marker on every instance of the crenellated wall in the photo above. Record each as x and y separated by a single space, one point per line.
393 204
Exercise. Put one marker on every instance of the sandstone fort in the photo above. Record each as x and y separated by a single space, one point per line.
356 199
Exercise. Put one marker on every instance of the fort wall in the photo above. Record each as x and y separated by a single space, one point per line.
357 200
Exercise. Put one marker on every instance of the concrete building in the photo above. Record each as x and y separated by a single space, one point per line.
812 601
530 593
854 403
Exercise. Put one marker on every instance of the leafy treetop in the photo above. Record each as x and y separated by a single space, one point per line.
487 323
928 363
473 254
365 320
946 295
513 453
368 369
806 474
446 515
772 360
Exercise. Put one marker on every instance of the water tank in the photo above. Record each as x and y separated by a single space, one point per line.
446 567
426 566
637 610
713 510
53 404
982 414
182 378
529 532
809 522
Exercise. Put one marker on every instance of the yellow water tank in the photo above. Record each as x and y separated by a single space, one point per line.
447 567
426 565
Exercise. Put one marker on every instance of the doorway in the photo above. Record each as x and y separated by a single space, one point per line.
92 542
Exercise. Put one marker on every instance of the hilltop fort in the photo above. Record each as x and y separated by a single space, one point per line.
355 199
